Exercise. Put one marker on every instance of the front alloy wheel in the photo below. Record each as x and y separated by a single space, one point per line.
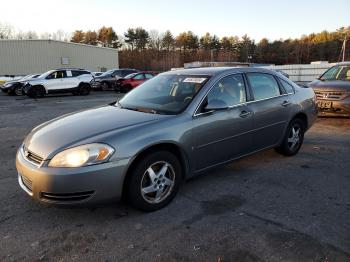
18 91
104 86
154 181
157 182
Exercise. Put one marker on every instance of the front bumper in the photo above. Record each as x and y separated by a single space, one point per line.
96 85
339 108
6 89
71 186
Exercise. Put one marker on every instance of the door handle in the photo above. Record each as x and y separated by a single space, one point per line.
286 103
244 113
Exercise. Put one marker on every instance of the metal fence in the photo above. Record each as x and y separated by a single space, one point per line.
302 72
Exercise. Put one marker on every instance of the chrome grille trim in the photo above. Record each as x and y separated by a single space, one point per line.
330 95
66 197
24 187
28 183
32 157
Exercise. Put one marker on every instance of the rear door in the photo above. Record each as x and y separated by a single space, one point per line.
271 109
71 80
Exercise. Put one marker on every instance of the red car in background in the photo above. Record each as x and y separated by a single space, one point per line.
127 83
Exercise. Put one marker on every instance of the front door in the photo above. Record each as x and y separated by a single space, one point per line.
56 81
223 135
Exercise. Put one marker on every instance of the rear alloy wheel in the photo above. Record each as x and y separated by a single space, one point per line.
154 181
84 89
18 91
293 139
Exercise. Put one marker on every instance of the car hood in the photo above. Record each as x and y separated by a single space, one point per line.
334 85
100 78
53 136
10 82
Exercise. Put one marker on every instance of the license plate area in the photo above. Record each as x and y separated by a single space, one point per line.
324 104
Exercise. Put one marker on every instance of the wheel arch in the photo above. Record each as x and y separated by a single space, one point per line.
303 117
38 86
167 146
84 84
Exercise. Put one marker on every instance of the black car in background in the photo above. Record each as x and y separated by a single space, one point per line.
109 79
14 87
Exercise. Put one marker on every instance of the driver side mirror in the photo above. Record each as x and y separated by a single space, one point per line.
215 105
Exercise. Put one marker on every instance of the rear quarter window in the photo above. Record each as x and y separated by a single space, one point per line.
288 87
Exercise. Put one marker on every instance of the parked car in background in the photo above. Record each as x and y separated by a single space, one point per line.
96 73
129 82
14 87
332 90
107 80
171 128
72 80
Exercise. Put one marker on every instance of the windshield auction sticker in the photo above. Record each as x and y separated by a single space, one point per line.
197 80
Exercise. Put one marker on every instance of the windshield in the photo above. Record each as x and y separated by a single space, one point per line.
46 74
164 94
340 72
26 77
107 73
130 75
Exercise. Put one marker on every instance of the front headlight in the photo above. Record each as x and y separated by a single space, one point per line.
84 155
8 85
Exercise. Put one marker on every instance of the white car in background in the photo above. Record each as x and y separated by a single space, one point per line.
72 80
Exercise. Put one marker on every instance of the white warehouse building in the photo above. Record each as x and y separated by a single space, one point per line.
22 57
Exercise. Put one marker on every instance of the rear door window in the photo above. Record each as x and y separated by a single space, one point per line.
264 86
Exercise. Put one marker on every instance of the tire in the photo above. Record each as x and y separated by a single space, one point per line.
84 89
127 88
36 92
154 181
18 90
105 86
293 139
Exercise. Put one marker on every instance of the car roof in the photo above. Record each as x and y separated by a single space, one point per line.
344 63
218 70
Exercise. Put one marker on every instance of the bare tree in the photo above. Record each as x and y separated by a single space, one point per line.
6 31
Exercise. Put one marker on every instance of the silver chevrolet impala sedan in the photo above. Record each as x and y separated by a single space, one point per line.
172 127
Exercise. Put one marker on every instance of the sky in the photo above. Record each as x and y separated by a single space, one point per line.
273 19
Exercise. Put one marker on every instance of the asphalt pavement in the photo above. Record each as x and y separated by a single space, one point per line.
265 207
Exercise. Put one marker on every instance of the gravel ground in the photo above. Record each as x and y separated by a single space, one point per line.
262 208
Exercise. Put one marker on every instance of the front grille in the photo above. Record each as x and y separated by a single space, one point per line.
66 197
328 95
30 156
28 183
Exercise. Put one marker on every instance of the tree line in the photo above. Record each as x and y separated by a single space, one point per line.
151 50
